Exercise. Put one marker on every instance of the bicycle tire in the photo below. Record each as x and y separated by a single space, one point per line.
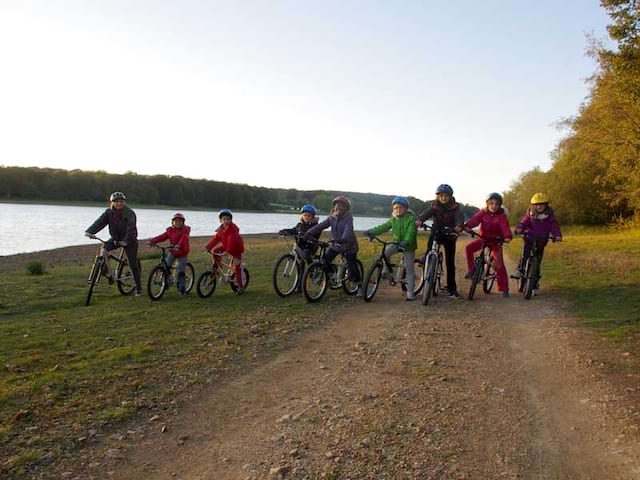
206 284
93 278
489 276
430 279
189 277
286 275
476 276
124 275
532 275
350 287
418 268
371 281
157 283
233 284
437 286
314 282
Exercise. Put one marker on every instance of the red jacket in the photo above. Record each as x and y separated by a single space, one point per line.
176 236
230 238
492 225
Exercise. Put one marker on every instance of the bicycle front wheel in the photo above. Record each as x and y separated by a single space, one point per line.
533 273
476 276
418 268
431 276
372 281
157 283
234 285
206 284
124 276
96 270
489 276
349 286
286 275
314 282
189 277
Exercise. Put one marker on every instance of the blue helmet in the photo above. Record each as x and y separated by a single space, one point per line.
225 212
401 200
308 208
444 188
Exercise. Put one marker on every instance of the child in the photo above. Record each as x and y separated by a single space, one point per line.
122 228
493 224
308 220
341 223
405 233
445 212
227 239
538 223
178 236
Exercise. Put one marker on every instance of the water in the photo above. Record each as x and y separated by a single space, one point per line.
30 228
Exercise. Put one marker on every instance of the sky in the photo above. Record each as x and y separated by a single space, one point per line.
369 96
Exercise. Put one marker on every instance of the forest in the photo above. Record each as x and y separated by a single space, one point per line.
595 175
48 184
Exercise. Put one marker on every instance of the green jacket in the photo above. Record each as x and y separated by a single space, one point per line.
404 230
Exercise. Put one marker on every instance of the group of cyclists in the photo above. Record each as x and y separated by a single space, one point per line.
538 225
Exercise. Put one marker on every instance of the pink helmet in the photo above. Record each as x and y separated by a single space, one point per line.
178 215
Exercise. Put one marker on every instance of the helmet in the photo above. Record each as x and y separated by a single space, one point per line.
342 200
178 215
117 196
539 198
494 196
444 188
225 212
308 208
400 200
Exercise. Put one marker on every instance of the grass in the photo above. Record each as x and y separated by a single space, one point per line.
598 272
67 369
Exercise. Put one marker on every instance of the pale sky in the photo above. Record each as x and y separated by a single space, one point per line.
371 96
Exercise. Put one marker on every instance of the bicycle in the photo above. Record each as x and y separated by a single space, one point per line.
222 270
162 275
484 268
288 270
530 277
372 279
315 281
122 276
433 270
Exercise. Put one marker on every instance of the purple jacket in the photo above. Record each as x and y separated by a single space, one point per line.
341 231
540 225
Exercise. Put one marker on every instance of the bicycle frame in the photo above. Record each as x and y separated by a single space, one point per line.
107 255
528 281
393 279
479 273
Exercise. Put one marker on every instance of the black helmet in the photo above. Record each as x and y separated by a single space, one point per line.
225 212
117 196
494 196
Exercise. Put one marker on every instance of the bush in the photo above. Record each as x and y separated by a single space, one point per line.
35 267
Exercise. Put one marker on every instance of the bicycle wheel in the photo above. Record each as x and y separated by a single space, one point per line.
532 275
124 276
234 285
418 268
286 275
189 277
206 284
476 276
349 286
371 281
157 283
96 269
522 281
430 275
314 282
489 277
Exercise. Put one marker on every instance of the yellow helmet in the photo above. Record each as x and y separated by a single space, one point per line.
539 198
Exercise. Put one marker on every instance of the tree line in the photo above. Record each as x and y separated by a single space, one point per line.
595 175
48 184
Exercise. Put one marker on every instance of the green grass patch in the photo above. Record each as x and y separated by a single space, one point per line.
598 272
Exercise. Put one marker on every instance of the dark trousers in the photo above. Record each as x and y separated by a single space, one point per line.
132 255
526 250
449 245
352 258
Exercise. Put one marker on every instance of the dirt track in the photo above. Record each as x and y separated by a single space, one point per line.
486 389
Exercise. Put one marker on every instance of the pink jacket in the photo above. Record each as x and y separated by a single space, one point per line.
176 236
492 225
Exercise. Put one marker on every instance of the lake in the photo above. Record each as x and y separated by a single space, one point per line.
30 228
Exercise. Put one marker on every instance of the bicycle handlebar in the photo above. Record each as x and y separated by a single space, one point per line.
527 235
498 240
378 239
441 230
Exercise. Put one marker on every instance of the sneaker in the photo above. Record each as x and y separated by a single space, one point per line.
535 292
454 294
468 275
360 292
410 298
137 294
517 275
505 294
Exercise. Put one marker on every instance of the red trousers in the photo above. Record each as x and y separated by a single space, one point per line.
496 253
